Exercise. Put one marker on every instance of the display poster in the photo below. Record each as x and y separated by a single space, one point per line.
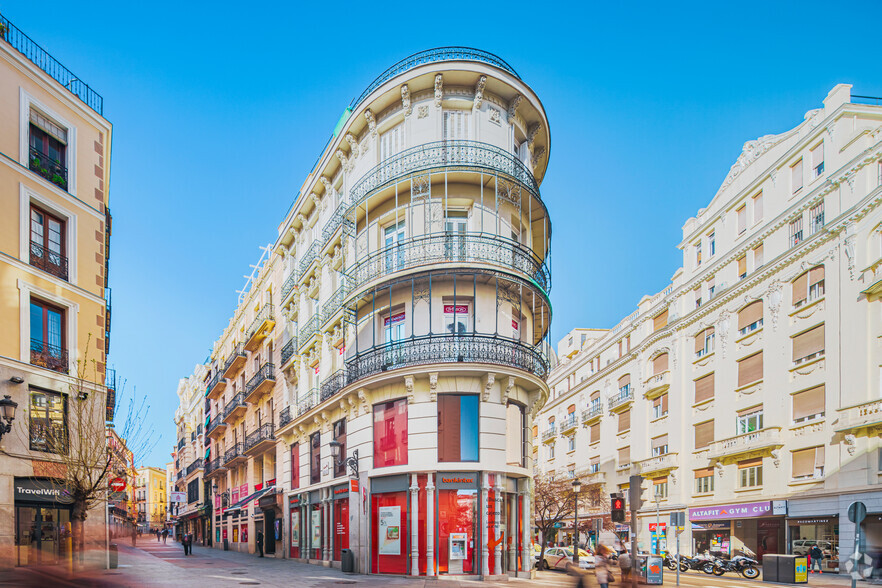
295 528
278 523
316 529
225 532
390 530
217 535
235 534
244 534
801 571
235 497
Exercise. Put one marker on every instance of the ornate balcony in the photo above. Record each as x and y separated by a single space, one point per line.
289 287
261 383
47 167
260 327
260 439
215 466
332 385
234 455
439 54
309 256
593 413
459 249
589 477
741 446
288 351
216 386
309 330
308 401
569 424
235 362
333 305
549 435
622 400
216 427
193 467
657 385
49 261
657 464
285 418
435 349
235 408
49 356
864 418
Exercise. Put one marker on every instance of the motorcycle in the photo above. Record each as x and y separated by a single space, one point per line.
740 564
702 561
671 562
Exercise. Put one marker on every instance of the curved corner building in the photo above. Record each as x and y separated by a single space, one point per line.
413 283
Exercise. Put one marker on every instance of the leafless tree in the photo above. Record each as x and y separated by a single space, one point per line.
553 502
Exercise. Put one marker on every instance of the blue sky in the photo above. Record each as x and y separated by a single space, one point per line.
219 110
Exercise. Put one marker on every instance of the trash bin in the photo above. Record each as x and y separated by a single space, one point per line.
785 569
114 556
347 561
770 567
649 569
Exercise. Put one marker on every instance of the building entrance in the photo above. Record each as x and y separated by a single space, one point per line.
42 535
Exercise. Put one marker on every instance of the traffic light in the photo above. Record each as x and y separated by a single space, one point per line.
617 506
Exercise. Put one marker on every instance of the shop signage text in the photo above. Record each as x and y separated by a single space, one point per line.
732 511
32 490
458 309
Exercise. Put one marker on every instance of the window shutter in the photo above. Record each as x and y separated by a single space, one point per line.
796 174
535 431
758 206
803 462
758 256
704 473
624 420
805 344
594 461
699 341
809 402
742 265
571 409
800 288
711 282
819 456
625 455
660 364
818 155
816 275
749 463
747 411
595 395
657 401
660 321
660 441
742 219
624 380
704 388
664 399
750 369
595 432
750 314
704 434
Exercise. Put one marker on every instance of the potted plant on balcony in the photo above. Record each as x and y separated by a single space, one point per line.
3 28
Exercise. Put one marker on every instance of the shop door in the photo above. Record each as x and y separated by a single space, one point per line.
457 516
341 527
269 535
42 535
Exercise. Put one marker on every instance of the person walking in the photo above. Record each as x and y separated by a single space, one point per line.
259 541
817 558
164 536
625 565
156 532
601 567
134 535
185 542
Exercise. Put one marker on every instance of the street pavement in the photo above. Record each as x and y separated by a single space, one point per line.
155 564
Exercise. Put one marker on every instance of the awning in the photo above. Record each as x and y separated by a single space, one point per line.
244 502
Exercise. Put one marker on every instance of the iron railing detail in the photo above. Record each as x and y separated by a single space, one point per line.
51 357
237 352
45 166
51 262
41 58
333 224
234 403
265 432
333 304
288 350
309 400
285 416
289 285
433 349
439 54
333 384
214 465
264 314
266 372
196 465
455 248
309 329
309 256
451 155
213 423
218 376
233 452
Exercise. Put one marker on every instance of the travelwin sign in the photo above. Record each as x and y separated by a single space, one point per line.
732 511
37 490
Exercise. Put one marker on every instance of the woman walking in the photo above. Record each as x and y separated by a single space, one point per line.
601 567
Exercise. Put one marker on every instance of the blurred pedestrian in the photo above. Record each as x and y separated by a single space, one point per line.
601 567
625 565
581 576
164 536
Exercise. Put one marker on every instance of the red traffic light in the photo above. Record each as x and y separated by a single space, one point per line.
618 504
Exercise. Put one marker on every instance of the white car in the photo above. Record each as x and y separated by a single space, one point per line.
557 558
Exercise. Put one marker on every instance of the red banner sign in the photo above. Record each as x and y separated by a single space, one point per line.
394 319
458 309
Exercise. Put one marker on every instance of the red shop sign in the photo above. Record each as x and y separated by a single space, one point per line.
458 309
353 486
394 319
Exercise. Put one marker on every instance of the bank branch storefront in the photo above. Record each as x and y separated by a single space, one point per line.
726 529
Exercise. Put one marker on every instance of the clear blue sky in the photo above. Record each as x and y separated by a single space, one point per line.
219 110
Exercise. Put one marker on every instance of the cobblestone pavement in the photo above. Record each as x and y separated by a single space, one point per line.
154 564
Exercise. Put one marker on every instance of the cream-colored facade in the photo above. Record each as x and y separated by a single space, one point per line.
191 515
151 498
748 391
55 311
407 288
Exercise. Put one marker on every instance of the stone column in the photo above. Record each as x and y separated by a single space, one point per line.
430 526
332 535
526 560
512 524
414 526
482 526
325 520
500 520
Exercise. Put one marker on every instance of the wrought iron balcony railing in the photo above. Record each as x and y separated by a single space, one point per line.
333 384
436 55
550 434
213 423
569 424
27 47
309 256
309 400
309 329
433 349
333 304
51 262
452 248
594 410
47 167
233 452
333 224
196 465
285 416
624 395
457 155
235 402
238 352
289 285
262 381
265 432
288 350
265 314
51 357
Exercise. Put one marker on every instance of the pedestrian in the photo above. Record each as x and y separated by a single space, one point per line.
156 533
816 558
259 541
625 565
164 536
581 576
134 535
185 544
601 567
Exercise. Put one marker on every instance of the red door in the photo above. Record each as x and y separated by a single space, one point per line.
341 527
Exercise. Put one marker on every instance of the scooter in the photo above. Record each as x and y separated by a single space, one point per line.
671 562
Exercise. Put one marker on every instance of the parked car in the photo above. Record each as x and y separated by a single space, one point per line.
557 558
804 547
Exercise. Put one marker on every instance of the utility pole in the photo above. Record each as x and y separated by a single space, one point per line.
635 489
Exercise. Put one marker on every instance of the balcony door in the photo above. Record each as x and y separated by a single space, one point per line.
47 243
394 235
47 336
393 335
455 226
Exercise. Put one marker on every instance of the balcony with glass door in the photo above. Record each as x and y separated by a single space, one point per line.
235 362
260 383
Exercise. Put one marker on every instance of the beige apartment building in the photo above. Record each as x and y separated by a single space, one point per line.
192 515
374 391
55 311
748 392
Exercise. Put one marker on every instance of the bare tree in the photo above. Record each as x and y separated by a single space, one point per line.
553 502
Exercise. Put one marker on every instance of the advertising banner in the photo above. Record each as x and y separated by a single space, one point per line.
390 530
295 528
177 497
316 529
244 534
732 511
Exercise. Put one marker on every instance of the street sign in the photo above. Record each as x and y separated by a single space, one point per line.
118 484
120 496
558 525
857 512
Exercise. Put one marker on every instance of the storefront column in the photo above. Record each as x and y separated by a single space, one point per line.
500 521
512 523
332 533
526 559
430 526
482 524
325 519
414 526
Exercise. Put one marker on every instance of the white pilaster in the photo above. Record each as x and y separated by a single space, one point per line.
482 525
430 526
526 559
500 519
512 527
332 536
414 526
325 519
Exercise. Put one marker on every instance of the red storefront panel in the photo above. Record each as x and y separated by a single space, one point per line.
341 526
390 433
389 533
295 532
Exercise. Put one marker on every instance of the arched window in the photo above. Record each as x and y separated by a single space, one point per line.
809 286
660 364
750 318
625 384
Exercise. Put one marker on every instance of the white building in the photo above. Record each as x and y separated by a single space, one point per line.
748 391
192 515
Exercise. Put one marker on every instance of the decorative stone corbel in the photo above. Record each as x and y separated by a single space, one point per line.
405 100
479 92
512 110
408 384
353 143
776 295
776 457
352 408
532 132
327 184
724 332
362 396
325 422
439 90
850 443
849 248
433 386
489 379
537 155
344 161
316 200
371 121
774 175
302 219
509 386
719 466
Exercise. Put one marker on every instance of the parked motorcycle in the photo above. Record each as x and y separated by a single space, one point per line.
671 562
702 561
740 564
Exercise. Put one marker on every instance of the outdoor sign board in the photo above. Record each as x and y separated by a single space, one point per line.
177 496
37 490
118 484
732 511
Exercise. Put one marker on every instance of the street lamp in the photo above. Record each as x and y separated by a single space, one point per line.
352 462
657 498
7 411
577 487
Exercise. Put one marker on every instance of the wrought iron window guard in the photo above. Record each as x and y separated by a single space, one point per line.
51 357
49 261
